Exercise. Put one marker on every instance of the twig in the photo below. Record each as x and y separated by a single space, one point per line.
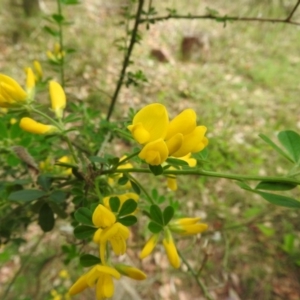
221 18
293 11
126 59
198 280
5 294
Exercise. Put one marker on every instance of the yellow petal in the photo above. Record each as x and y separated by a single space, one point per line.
193 142
171 250
149 246
15 90
103 217
32 126
192 162
154 120
96 236
131 272
79 285
172 183
139 133
174 143
30 81
38 69
155 153
183 123
58 98
104 287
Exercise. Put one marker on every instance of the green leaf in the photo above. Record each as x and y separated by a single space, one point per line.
57 18
135 187
123 180
88 260
114 203
156 170
57 196
267 231
45 182
176 162
128 207
83 215
51 31
58 210
275 147
26 195
3 130
280 200
275 186
69 2
46 218
128 220
156 214
83 232
288 243
291 142
97 159
154 227
168 214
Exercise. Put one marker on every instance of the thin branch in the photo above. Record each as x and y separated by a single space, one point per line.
293 11
198 280
126 59
221 18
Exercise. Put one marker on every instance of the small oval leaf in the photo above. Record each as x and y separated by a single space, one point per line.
26 195
83 232
83 215
88 260
46 218
128 220
128 207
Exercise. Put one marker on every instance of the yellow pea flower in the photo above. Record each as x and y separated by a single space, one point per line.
171 250
155 153
184 127
11 93
30 82
149 246
99 276
58 98
187 226
38 69
112 180
150 123
103 217
117 234
131 272
32 126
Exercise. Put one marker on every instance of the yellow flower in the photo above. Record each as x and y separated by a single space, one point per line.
149 246
32 126
123 198
117 234
184 126
171 250
150 123
171 179
187 226
11 93
102 277
58 98
38 70
103 217
155 153
30 82
131 272
65 159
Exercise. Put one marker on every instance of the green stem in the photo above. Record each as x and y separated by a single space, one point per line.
126 61
128 158
198 280
142 188
201 172
61 43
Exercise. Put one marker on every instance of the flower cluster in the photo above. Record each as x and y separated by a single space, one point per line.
56 56
183 227
162 138
109 230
